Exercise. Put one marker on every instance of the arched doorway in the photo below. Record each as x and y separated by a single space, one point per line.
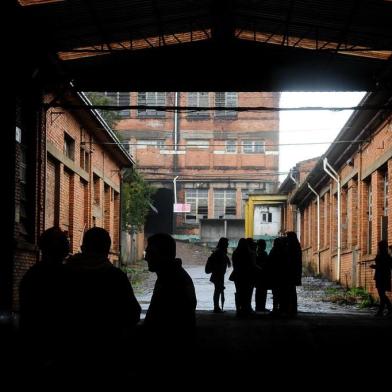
161 220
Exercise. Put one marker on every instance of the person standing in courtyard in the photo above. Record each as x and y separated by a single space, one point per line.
100 309
41 298
217 265
382 276
173 303
261 276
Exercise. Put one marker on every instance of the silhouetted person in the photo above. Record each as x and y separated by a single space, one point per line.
41 291
294 272
171 313
243 277
101 309
219 261
278 274
382 276
261 276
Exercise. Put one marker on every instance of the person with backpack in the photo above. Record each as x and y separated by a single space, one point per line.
216 265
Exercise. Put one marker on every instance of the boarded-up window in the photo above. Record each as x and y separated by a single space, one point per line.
97 190
85 203
65 201
51 197
107 193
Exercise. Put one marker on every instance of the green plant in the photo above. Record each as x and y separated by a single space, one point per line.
110 116
137 273
308 269
136 199
353 296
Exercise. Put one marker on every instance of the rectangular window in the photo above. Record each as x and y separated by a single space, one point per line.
196 99
69 147
157 143
151 99
198 199
369 217
120 98
197 144
384 217
244 197
231 146
385 193
97 189
344 215
227 100
225 203
84 159
266 217
253 146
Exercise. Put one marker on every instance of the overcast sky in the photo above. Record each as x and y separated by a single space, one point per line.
311 126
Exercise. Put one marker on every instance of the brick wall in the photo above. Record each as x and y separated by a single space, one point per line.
203 164
365 173
77 208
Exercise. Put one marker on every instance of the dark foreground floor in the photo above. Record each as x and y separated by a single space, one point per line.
313 348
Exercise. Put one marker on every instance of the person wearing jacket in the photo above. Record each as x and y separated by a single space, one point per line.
382 276
219 261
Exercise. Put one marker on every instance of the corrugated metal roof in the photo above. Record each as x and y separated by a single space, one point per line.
81 23
118 45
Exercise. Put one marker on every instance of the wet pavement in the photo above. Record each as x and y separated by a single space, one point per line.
327 345
311 295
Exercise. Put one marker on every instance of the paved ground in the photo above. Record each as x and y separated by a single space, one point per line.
327 346
311 295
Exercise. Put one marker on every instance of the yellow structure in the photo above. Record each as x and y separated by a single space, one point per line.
261 199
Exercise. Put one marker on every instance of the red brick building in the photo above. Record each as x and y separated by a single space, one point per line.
362 160
68 174
290 214
218 155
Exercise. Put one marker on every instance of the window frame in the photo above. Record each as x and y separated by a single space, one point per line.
158 99
200 197
254 145
228 100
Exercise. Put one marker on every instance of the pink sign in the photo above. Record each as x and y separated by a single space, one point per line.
181 207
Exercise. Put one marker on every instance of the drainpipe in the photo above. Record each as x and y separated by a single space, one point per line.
335 176
175 189
176 122
295 224
292 177
175 156
318 227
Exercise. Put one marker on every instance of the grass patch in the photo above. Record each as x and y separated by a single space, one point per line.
353 296
137 273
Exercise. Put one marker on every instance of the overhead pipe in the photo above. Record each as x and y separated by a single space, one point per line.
335 176
318 226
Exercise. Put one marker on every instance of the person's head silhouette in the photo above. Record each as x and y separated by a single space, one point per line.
261 245
160 251
383 247
223 243
96 241
54 245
